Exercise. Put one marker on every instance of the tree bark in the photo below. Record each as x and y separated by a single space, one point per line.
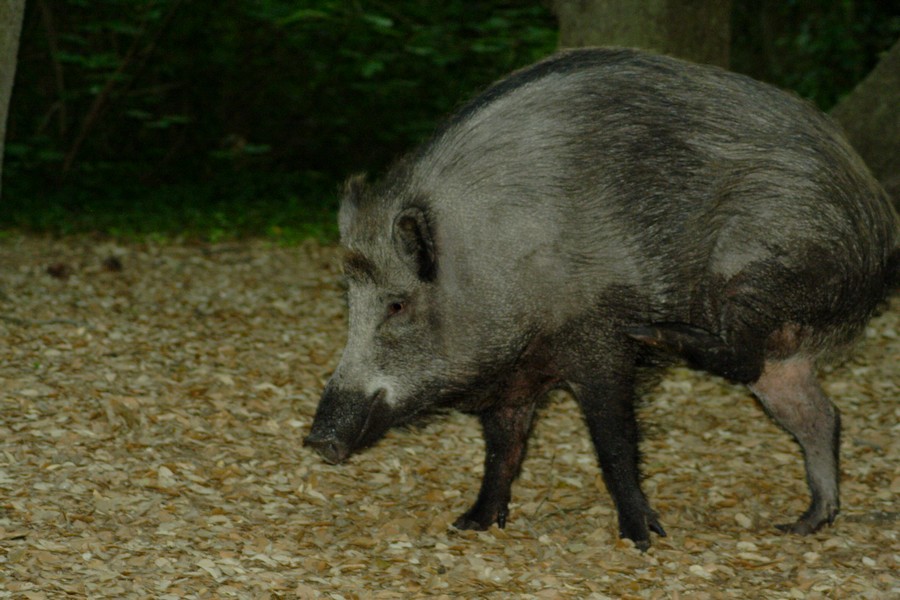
697 30
11 14
870 115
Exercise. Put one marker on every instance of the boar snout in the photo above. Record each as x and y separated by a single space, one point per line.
347 421
329 447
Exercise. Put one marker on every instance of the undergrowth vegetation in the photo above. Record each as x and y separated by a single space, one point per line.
225 119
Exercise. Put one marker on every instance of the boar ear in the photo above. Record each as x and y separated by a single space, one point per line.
351 198
354 188
414 242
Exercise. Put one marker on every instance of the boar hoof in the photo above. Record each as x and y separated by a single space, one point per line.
810 522
639 532
642 545
480 520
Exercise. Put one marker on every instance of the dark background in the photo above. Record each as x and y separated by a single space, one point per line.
241 117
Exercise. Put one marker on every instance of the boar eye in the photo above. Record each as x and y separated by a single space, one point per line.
395 308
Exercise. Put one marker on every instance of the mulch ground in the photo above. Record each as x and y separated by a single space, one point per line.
153 399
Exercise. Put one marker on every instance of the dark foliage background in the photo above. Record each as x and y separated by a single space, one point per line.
242 116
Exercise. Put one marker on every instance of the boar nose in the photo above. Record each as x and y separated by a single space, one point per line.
328 446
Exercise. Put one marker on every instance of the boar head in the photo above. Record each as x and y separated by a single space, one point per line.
391 365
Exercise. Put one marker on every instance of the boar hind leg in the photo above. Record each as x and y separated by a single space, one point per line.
790 393
608 409
506 430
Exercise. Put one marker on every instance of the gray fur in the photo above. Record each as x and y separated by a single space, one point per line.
580 211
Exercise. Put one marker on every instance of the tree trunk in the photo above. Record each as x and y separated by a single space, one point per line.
698 30
870 115
11 13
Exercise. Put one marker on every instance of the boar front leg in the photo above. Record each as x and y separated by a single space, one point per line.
506 430
608 408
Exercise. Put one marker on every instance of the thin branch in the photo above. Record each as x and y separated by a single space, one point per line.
52 36
103 99
100 102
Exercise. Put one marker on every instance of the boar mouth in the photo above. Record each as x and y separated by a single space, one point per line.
332 450
329 444
376 424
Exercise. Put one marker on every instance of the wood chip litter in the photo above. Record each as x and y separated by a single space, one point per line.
151 418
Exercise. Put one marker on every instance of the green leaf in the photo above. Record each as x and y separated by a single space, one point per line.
371 68
304 14
379 21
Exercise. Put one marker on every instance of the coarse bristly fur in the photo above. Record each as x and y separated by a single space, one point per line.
585 209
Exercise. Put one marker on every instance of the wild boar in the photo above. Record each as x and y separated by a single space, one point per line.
582 211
